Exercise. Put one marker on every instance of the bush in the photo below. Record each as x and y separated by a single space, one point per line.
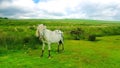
5 18
77 34
92 38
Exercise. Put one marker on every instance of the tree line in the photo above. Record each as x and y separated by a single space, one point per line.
3 18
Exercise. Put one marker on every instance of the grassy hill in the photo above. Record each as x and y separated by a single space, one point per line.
20 48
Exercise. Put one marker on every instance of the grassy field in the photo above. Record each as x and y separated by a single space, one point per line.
78 54
19 48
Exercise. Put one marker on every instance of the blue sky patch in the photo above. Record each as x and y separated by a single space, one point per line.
36 1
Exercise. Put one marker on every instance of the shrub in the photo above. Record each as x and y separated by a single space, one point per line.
77 34
92 37
5 18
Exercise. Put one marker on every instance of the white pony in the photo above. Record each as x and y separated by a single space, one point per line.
48 36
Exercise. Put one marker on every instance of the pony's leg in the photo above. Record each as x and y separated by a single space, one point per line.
49 48
58 47
62 46
43 46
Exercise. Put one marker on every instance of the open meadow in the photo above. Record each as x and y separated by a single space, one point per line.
20 48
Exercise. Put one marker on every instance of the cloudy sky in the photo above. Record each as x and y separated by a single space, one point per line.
59 9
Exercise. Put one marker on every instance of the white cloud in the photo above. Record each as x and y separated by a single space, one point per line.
84 9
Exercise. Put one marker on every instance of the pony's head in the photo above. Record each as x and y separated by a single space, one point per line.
40 27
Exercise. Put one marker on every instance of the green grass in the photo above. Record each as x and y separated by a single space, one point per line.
19 48
105 52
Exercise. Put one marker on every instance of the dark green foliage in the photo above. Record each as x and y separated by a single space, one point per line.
31 42
26 40
92 38
3 18
77 33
